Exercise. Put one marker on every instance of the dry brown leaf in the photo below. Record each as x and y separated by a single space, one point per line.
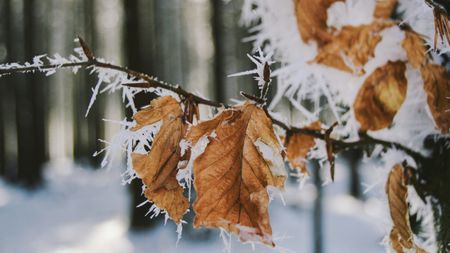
232 174
381 96
191 111
157 169
298 146
416 51
441 25
401 235
384 8
437 86
329 146
351 49
312 20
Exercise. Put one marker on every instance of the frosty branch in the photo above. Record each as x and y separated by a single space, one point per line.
147 81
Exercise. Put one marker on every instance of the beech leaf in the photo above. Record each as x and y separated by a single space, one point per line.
401 235
441 25
414 46
312 20
158 168
437 87
231 176
329 145
384 8
298 146
381 96
352 47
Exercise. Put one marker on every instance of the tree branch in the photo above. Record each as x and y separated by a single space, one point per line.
149 82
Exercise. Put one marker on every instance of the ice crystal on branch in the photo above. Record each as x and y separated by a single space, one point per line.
262 70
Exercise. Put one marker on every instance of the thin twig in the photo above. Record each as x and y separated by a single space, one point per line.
266 76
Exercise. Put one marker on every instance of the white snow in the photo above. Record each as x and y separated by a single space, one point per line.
350 12
87 211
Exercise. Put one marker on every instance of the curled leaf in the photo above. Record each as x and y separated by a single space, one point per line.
437 87
354 45
329 145
441 24
384 8
312 20
231 177
157 169
191 110
401 235
381 96
298 146
415 48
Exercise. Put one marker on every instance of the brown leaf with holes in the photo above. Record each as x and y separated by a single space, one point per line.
384 8
312 20
401 235
158 168
415 48
298 145
381 96
351 49
437 87
231 176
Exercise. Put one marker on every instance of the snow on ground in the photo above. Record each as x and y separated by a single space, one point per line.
83 211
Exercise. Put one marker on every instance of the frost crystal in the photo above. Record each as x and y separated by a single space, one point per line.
184 175
260 61
272 157
127 141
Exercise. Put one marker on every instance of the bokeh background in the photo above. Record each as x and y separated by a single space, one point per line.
53 195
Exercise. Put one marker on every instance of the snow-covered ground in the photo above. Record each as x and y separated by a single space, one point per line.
82 210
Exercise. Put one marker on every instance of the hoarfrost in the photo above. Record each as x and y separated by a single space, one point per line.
419 16
272 156
350 12
184 175
127 141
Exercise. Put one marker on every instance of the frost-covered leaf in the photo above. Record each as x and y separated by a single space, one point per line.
401 235
298 146
312 20
231 177
158 168
436 81
381 96
352 47
415 48
384 8
441 24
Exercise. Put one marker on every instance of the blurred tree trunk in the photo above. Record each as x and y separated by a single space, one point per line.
8 99
3 55
87 130
352 158
35 37
135 59
318 210
22 99
31 150
219 52
230 51
433 181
